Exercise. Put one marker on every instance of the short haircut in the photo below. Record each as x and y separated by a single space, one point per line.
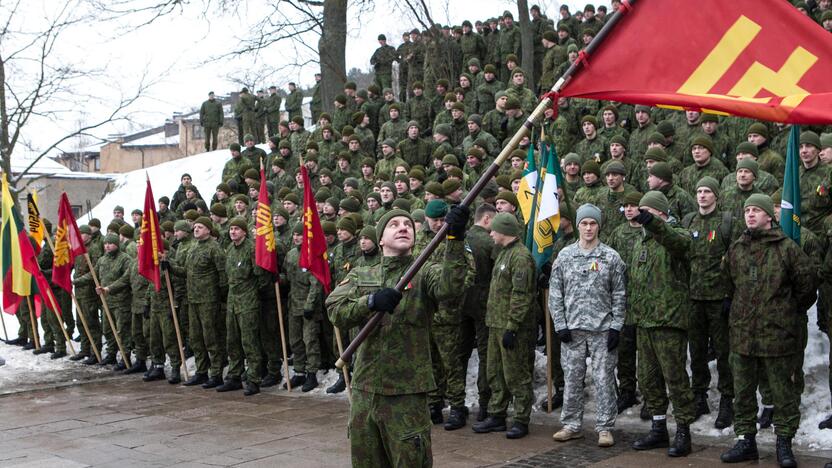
484 209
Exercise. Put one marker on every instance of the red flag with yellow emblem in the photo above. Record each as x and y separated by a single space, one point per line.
68 245
313 248
150 241
265 253
764 60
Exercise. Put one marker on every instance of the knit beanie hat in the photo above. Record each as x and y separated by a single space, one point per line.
656 200
506 224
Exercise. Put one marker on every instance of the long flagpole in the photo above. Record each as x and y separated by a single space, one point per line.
35 337
55 306
176 325
282 336
344 369
522 132
3 321
107 311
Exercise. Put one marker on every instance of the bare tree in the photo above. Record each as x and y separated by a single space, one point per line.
38 85
526 43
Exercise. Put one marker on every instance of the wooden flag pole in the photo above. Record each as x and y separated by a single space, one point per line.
86 327
35 337
176 326
55 306
282 336
3 321
344 369
548 321
107 311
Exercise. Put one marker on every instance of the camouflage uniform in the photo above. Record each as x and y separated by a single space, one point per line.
659 285
587 296
510 300
815 199
305 293
53 334
473 329
139 327
772 284
243 314
382 61
87 298
486 95
161 332
415 152
235 168
623 239
293 104
693 173
113 270
389 424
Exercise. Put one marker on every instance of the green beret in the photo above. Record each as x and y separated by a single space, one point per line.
506 224
762 201
182 225
436 209
661 170
240 222
710 183
382 222
749 164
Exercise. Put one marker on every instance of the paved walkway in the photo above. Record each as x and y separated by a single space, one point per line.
123 422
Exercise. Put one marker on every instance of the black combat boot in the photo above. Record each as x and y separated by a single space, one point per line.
339 386
157 372
826 423
482 413
557 400
120 366
79 357
90 360
251 389
58 355
196 379
296 381
681 442
785 456
491 424
175 377
109 360
744 450
700 405
626 400
139 365
766 417
230 385
457 418
436 413
17 341
311 382
29 345
656 438
725 417
213 382
270 380
44 350
518 431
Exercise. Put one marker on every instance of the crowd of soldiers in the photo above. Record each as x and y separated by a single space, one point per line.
680 211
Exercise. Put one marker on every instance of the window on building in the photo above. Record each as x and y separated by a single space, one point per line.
96 162
76 209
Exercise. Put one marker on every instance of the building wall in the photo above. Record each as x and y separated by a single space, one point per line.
192 136
116 158
78 190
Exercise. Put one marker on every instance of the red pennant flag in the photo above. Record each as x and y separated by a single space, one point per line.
763 60
68 245
150 241
265 253
313 248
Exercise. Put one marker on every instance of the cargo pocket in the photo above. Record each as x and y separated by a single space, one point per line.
414 448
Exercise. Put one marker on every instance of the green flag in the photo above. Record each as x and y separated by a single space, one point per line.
790 205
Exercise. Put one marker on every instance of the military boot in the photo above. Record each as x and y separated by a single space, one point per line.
29 345
482 413
175 377
491 424
339 386
230 385
681 442
251 389
626 400
436 413
79 357
196 379
90 360
120 366
157 372
139 365
44 350
457 418
17 341
744 450
270 380
766 417
557 400
58 355
311 382
785 456
725 417
700 405
213 382
109 360
656 438
826 423
518 431
296 381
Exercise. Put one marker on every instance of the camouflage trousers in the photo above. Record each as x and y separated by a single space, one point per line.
89 307
211 135
555 359
766 394
749 371
162 336
203 321
662 369
243 341
626 368
52 331
383 80
122 317
65 301
138 331
708 323
306 343
510 374
269 338
474 333
449 343
389 430
24 322
590 344
437 395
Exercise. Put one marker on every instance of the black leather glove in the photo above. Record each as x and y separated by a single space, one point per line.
146 312
308 313
441 176
509 340
384 300
565 335
726 307
165 265
545 275
612 339
457 219
644 217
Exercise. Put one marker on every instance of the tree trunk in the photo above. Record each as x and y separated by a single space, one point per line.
526 43
331 48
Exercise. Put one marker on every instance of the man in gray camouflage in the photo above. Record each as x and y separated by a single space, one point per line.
587 300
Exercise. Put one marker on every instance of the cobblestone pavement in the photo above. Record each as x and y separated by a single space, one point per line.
123 422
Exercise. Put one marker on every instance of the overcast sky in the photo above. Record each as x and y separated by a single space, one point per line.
175 51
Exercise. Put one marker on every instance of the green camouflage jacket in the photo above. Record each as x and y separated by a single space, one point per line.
512 289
